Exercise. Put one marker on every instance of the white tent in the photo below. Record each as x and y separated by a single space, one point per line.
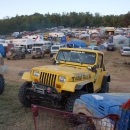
120 40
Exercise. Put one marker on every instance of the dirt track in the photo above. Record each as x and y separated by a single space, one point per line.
120 74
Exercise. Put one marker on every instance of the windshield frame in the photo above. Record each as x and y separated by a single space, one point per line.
79 57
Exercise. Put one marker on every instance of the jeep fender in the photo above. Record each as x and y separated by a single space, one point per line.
88 88
26 76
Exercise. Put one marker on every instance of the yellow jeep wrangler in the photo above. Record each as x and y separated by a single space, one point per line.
77 71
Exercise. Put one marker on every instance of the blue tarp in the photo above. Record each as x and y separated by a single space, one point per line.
2 51
63 39
76 43
110 40
102 47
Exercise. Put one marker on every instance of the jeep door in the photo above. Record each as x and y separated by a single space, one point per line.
99 74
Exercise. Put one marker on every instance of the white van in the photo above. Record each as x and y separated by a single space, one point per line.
55 48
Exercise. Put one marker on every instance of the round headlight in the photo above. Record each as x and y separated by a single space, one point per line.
62 78
36 73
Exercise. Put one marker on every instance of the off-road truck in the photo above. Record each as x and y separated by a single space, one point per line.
37 52
77 71
2 69
16 53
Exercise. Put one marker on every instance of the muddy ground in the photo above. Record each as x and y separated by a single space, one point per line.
120 73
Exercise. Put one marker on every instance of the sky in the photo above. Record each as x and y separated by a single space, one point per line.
11 8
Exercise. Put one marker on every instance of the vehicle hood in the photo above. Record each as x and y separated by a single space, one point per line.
57 69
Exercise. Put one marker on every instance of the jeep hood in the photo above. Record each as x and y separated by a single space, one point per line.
61 69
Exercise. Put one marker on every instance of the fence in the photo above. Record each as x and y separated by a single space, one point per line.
52 119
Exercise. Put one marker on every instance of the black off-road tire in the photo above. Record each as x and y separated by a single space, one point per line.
23 56
70 101
42 56
8 58
51 55
85 127
105 88
32 57
16 57
2 84
22 94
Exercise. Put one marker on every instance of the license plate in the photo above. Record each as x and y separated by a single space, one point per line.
40 91
110 47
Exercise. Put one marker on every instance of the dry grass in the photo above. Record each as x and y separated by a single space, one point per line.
12 115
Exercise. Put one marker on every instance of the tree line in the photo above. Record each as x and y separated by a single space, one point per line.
72 19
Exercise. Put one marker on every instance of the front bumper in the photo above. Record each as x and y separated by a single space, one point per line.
44 92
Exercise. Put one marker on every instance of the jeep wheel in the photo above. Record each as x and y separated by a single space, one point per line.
42 56
16 57
23 56
32 57
8 58
105 88
51 55
22 94
85 127
2 84
70 101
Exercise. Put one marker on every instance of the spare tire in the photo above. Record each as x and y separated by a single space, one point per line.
10 53
38 52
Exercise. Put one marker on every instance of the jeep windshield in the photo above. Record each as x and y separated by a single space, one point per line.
76 56
36 49
55 48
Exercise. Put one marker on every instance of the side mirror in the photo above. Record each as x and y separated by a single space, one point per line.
90 67
57 62
93 69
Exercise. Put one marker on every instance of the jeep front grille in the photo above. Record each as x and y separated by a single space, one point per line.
48 79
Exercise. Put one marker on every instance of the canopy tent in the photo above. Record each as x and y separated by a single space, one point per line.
120 40
64 39
76 43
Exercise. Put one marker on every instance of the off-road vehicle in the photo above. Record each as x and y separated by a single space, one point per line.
55 49
111 47
2 69
37 52
77 71
16 53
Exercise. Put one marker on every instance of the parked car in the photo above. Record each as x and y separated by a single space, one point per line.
111 47
105 44
37 52
45 37
55 49
93 42
56 43
70 34
46 49
125 51
93 47
16 53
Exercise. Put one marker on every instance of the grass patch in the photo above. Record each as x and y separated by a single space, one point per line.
12 115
